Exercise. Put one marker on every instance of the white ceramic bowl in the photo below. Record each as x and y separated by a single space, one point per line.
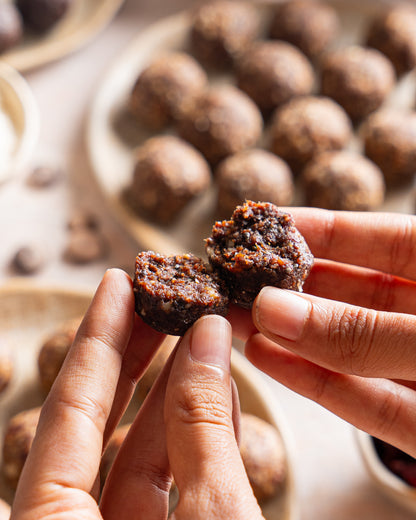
389 483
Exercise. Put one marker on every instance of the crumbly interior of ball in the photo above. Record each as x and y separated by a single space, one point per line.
258 236
175 278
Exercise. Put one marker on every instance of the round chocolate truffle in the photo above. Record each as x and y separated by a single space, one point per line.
252 174
258 246
166 89
307 126
358 78
54 350
393 33
11 27
390 141
168 174
343 181
311 26
19 434
224 121
272 72
41 15
172 292
263 455
221 30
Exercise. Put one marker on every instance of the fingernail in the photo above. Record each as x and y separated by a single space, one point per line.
211 341
281 312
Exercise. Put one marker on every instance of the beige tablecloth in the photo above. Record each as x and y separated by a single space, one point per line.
332 482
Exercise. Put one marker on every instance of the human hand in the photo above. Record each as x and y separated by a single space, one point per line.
185 427
349 341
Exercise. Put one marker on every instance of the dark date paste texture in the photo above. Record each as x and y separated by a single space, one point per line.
172 292
259 246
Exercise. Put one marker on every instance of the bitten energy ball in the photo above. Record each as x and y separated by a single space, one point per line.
393 33
259 246
390 141
168 174
11 27
307 126
311 26
252 174
273 72
42 15
224 121
54 350
343 181
19 434
358 78
172 292
263 455
221 30
166 89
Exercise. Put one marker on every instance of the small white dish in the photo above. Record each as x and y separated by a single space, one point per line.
19 122
389 483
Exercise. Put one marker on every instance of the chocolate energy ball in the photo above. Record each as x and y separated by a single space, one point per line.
343 181
172 292
42 15
166 89
11 27
307 126
390 141
168 174
393 33
221 30
259 246
272 72
311 26
54 350
19 434
252 174
224 121
358 78
263 455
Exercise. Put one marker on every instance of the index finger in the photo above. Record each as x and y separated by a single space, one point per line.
382 241
67 448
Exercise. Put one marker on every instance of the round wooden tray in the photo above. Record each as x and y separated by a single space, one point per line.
112 136
84 20
19 106
28 313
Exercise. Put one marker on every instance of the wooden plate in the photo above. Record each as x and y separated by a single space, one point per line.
111 137
83 21
20 116
28 313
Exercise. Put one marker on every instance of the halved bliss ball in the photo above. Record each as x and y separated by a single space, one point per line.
259 246
172 292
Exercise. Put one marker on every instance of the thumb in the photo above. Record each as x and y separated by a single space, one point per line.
202 447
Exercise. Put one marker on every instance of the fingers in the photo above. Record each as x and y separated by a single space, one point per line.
338 336
76 410
361 286
382 241
143 344
139 482
202 448
381 407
